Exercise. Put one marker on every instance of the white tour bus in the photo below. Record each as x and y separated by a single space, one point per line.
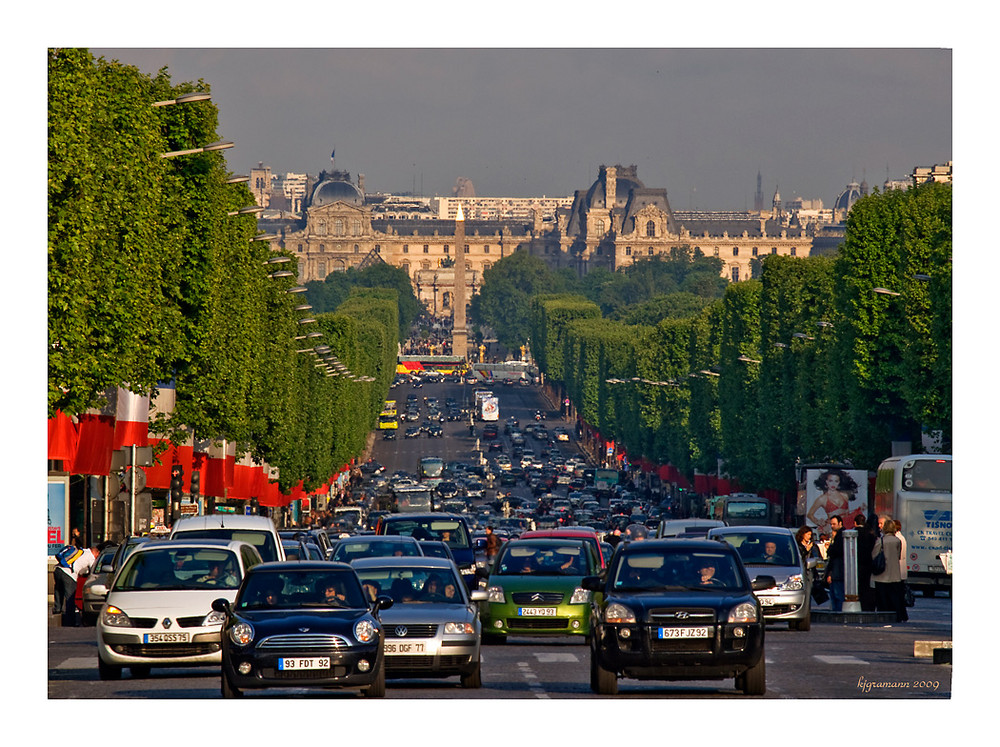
916 491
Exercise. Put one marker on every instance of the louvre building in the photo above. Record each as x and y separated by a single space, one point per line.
615 222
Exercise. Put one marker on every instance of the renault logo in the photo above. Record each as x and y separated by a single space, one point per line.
401 631
167 622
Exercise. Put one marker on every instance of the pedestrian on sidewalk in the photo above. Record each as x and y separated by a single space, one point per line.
71 563
889 594
835 565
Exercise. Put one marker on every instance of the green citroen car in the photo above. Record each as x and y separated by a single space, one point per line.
535 589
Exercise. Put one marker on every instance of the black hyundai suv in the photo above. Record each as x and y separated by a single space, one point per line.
676 610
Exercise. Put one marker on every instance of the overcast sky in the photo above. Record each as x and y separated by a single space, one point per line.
527 122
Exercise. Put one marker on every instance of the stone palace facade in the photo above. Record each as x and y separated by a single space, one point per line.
615 222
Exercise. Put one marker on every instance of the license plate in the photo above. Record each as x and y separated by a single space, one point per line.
287 664
767 601
536 611
697 632
404 649
166 637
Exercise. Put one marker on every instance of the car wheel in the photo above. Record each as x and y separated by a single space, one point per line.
602 681
229 690
139 671
473 679
752 681
108 671
802 625
377 688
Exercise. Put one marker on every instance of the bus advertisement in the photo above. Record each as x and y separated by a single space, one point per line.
827 490
915 490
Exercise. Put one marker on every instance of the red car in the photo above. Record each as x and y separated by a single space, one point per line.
582 533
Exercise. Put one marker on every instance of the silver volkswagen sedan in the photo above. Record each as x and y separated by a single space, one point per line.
158 612
433 628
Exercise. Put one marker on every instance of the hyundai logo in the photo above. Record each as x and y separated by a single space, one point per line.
401 631
682 615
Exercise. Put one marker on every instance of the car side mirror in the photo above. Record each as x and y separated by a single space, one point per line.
383 602
107 568
763 582
479 595
221 605
592 583
812 563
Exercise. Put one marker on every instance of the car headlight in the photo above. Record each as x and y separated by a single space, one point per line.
496 595
365 631
113 617
459 628
469 569
241 633
793 583
618 613
743 613
213 618
580 596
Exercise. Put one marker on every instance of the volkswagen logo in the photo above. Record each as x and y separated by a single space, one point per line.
167 622
401 631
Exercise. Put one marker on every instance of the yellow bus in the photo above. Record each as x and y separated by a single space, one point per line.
386 422
389 408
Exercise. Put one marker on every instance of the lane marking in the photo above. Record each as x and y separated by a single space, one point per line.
550 658
78 662
844 659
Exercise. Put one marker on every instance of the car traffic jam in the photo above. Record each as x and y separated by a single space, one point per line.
523 539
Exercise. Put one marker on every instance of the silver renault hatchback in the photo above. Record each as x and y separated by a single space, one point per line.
158 612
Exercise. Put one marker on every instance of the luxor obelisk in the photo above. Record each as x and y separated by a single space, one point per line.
459 334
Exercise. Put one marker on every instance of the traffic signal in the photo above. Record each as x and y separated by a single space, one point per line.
195 484
176 483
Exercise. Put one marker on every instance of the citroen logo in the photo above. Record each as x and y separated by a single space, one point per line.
167 622
401 631
537 597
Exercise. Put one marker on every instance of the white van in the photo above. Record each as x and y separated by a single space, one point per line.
258 531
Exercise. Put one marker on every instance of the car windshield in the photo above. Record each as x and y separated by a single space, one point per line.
763 549
412 585
570 559
348 550
677 570
262 540
286 589
179 568
450 531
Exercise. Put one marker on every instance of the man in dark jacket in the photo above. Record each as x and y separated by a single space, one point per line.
866 543
835 565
